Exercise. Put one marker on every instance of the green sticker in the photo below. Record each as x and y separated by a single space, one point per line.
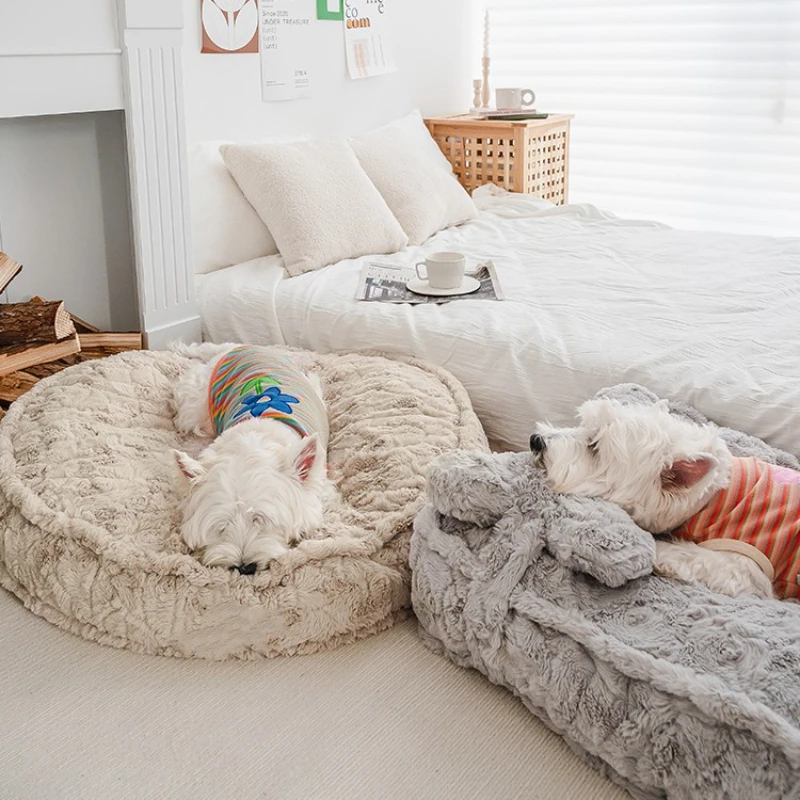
330 9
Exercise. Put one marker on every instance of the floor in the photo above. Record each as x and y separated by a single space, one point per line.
383 718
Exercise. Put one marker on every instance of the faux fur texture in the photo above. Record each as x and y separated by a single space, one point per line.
89 496
670 689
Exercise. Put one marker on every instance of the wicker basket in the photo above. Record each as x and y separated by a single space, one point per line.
530 156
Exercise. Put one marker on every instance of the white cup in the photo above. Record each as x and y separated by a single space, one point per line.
443 270
514 99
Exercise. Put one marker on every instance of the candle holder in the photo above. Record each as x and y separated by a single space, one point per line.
477 83
485 61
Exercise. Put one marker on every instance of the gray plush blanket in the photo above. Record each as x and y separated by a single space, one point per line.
669 689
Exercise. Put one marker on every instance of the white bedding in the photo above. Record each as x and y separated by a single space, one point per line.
712 319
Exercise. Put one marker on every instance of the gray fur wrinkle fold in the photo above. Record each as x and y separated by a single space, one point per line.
668 689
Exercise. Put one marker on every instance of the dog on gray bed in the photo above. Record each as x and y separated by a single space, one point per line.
734 522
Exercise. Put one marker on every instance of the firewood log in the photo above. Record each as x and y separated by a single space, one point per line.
13 386
9 269
34 322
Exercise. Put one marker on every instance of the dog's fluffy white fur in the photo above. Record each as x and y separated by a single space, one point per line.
253 491
662 470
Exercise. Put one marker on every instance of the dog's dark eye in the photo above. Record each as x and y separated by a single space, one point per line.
592 447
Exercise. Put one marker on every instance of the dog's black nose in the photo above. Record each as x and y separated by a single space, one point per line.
247 569
538 444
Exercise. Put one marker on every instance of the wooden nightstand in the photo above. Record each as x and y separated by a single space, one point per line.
529 156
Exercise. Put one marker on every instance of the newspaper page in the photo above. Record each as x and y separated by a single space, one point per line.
284 44
367 38
384 283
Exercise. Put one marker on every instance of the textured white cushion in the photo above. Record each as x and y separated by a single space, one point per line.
225 228
414 177
413 126
316 200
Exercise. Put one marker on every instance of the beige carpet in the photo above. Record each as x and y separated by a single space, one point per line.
380 719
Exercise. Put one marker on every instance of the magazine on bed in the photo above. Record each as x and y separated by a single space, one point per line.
384 283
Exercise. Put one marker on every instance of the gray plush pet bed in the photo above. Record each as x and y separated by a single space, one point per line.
89 500
668 688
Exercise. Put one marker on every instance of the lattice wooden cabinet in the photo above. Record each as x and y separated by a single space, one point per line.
528 156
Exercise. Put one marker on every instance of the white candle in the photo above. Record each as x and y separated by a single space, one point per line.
486 34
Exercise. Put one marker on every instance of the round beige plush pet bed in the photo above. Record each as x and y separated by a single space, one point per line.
89 495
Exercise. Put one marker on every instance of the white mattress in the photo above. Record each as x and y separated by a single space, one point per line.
712 319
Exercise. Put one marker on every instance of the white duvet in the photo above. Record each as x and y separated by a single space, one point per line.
712 319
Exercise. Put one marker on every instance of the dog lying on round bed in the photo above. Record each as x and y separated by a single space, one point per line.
669 688
92 507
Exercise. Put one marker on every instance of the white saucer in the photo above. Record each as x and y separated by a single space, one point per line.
418 286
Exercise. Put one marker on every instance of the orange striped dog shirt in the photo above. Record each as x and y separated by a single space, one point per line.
757 515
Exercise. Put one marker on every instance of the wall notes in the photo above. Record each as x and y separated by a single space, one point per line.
284 30
367 38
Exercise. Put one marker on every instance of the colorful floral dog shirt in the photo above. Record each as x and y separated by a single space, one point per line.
255 383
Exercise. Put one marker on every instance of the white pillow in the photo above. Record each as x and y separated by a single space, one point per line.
316 200
414 177
225 228
413 126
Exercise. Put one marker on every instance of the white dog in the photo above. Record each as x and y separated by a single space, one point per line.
737 520
260 486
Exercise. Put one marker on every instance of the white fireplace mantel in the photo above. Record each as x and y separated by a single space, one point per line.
152 37
119 55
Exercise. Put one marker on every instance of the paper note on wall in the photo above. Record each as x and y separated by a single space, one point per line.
284 38
367 38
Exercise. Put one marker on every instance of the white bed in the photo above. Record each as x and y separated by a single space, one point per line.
593 300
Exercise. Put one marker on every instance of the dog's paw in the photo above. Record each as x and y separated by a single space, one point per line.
744 577
728 573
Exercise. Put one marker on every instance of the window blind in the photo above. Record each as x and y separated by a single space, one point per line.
687 111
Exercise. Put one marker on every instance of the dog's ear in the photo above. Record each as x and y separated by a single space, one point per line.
192 470
306 456
685 473
598 412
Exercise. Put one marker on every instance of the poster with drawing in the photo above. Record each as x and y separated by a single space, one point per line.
367 38
229 26
284 31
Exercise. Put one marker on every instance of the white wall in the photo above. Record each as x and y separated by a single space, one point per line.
64 213
433 45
